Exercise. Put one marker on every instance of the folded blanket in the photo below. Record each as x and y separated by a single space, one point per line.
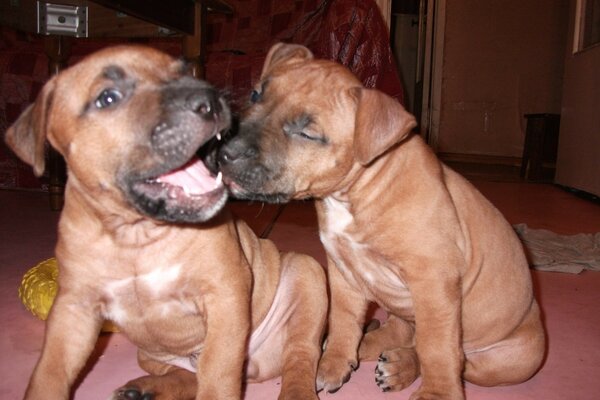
549 251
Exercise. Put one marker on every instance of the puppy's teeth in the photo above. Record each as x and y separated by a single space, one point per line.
219 136
219 179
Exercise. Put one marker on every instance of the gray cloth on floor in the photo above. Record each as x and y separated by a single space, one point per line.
549 251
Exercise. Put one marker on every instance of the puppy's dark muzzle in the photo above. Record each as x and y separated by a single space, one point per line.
189 94
193 112
236 152
239 161
203 102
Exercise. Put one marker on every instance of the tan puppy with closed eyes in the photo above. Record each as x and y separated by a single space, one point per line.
143 242
400 229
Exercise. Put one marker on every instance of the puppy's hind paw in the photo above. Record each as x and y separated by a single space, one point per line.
396 369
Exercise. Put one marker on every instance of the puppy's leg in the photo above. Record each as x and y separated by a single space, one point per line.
514 359
346 319
221 362
305 281
437 306
71 333
165 382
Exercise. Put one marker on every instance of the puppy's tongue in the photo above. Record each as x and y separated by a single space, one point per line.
194 178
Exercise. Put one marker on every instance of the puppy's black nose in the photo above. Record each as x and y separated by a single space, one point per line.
189 94
204 102
235 151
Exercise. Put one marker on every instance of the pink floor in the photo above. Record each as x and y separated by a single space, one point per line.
569 302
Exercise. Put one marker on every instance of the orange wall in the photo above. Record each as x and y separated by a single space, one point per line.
502 59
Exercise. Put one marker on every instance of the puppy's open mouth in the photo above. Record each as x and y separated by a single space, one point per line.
189 193
191 182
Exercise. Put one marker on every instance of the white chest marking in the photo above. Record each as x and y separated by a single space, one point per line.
338 216
158 279
337 223
161 278
120 292
358 260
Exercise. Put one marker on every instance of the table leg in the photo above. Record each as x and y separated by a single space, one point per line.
57 49
193 45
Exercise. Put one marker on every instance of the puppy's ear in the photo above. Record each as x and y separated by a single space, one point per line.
380 123
285 53
26 137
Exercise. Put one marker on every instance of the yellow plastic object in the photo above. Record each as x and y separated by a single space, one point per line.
38 290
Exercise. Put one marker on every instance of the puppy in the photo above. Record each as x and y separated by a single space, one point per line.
142 241
400 229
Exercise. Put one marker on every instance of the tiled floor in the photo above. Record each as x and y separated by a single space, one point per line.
569 302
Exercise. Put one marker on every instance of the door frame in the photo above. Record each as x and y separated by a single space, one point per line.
433 62
432 22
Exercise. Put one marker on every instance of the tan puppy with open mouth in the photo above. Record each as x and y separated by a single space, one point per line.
142 241
400 229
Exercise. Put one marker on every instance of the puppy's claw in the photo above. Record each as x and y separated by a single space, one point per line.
134 394
334 373
382 385
344 381
334 390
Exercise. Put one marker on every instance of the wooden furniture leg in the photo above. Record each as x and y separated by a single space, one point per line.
193 45
57 49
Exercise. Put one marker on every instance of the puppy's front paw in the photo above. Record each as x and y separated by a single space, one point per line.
177 384
333 372
396 369
132 393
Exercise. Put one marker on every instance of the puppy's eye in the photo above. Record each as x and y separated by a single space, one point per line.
306 135
108 98
255 96
303 133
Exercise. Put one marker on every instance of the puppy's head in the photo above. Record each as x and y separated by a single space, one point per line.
129 122
310 127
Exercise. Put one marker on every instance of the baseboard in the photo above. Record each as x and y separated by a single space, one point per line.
479 166
482 159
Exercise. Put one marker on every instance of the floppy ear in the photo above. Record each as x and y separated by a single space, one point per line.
284 53
380 123
26 137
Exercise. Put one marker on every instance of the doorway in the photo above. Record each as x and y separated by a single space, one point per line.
416 35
